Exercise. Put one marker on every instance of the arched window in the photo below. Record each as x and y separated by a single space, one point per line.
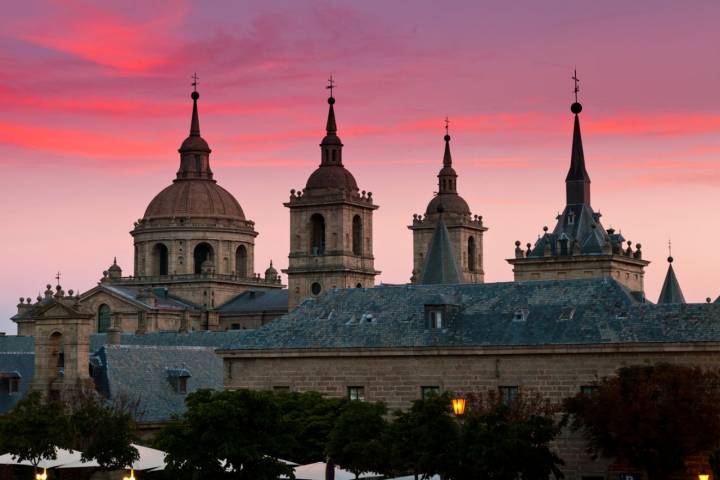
317 234
472 254
160 259
241 261
57 352
103 318
203 251
357 235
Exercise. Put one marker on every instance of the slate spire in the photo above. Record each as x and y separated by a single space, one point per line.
440 266
577 182
671 291
331 145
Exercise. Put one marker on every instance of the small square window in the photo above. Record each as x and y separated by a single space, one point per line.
520 315
508 394
356 393
428 392
588 389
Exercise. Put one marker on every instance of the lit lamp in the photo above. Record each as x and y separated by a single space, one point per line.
132 475
703 476
458 405
41 476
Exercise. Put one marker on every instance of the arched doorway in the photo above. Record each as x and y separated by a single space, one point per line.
241 261
317 234
57 352
159 259
203 251
104 316
357 235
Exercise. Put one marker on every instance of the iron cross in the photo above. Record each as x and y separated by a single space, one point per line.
331 85
194 83
447 126
57 277
577 84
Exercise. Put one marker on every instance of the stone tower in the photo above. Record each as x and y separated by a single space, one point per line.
465 230
62 344
331 243
194 238
579 246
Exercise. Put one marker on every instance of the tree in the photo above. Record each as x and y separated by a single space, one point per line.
307 418
104 432
226 434
651 416
499 444
34 429
356 439
424 440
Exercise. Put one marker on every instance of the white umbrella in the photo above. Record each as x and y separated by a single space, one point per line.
150 459
63 457
316 471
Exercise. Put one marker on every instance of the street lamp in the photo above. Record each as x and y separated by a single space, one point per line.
41 476
132 475
703 476
458 405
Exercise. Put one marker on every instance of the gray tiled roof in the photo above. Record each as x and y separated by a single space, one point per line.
14 343
163 299
587 311
255 301
671 291
202 338
440 266
135 371
21 364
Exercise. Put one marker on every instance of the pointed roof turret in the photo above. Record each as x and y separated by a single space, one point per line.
671 291
194 151
447 178
452 203
440 266
577 182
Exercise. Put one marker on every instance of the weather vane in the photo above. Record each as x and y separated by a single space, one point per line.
577 84
669 247
194 83
447 126
331 85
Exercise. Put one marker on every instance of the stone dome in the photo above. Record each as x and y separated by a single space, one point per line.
194 198
451 203
332 176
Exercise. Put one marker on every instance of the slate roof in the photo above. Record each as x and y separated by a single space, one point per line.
137 295
135 371
202 338
17 359
440 266
568 312
253 301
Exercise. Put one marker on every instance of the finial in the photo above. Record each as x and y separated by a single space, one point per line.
57 277
447 129
195 79
331 85
114 260
576 107
670 257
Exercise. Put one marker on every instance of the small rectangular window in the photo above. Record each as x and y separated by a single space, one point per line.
281 388
520 315
588 389
182 385
235 326
14 386
427 392
436 318
508 394
356 393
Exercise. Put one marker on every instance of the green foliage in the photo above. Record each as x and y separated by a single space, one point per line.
652 416
356 439
424 439
103 432
226 434
500 445
307 419
34 429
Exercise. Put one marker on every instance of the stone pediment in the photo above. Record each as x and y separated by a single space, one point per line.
58 309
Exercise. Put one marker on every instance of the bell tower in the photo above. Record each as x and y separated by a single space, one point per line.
330 226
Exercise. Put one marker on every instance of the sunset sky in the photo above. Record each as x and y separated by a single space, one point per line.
96 100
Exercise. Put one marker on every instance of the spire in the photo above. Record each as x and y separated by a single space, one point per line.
331 145
447 178
577 182
194 151
440 266
671 291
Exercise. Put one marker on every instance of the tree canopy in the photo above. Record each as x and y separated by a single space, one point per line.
652 416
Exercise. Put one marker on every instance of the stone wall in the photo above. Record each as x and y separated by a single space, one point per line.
396 376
